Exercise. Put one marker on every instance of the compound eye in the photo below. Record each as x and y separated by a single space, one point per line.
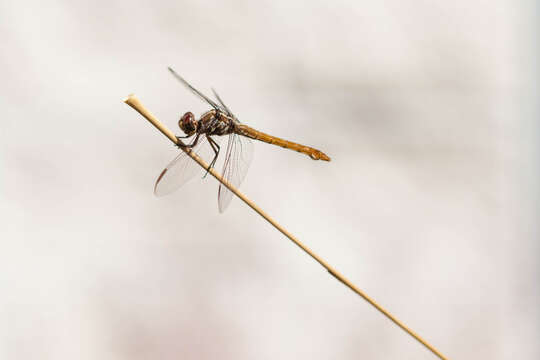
187 123
187 118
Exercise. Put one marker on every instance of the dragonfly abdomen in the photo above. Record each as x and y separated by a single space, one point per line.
269 139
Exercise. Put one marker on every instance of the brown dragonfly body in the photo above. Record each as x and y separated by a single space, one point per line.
215 123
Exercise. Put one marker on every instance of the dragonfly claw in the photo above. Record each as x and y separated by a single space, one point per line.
179 143
210 167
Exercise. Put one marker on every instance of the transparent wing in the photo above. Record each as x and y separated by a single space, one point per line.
182 169
237 160
223 106
195 91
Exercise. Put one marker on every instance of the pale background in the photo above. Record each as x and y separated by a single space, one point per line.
427 108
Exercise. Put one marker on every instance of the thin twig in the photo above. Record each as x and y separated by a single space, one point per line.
132 101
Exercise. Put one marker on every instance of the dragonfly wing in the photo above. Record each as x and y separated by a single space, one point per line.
195 91
223 106
237 160
182 169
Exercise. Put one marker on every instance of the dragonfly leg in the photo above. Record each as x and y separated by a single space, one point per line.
180 141
188 146
215 146
180 144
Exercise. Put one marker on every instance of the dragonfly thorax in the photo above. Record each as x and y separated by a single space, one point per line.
215 122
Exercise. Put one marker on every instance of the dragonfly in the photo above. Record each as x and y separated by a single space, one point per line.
205 133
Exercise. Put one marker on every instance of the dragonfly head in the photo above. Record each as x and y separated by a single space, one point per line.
188 124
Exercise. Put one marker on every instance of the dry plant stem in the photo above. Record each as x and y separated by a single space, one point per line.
132 101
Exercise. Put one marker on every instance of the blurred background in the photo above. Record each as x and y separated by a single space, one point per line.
429 111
